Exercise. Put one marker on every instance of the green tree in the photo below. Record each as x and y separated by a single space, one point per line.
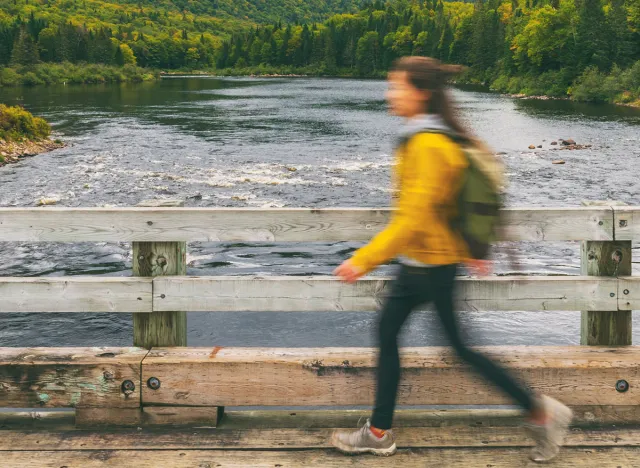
25 50
367 53
47 41
591 33
128 56
192 57
621 44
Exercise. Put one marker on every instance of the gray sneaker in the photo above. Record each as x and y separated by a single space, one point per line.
363 441
550 437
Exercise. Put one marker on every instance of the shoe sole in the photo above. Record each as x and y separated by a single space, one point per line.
361 451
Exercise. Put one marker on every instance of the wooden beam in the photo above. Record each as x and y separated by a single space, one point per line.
627 223
75 294
270 225
613 457
606 326
291 294
69 377
323 293
185 416
584 416
299 438
345 376
167 327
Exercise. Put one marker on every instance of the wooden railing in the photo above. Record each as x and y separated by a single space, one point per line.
138 384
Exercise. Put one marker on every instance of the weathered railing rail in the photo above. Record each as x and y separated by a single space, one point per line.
137 385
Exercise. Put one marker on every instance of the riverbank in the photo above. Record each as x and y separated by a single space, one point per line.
23 135
69 73
12 152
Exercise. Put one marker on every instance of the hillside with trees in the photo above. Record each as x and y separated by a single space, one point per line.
585 49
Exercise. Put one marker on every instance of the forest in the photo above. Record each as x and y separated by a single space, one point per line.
584 49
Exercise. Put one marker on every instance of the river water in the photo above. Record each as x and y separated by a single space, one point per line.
296 143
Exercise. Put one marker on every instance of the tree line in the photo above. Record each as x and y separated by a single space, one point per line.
533 46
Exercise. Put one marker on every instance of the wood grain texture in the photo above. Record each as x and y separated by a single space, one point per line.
609 457
69 377
290 294
199 416
607 326
584 416
271 225
296 438
75 294
345 376
627 223
306 294
168 327
629 293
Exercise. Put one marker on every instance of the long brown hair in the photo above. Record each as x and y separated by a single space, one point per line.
429 74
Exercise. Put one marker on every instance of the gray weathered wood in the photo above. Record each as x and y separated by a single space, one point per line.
69 377
168 327
610 457
97 294
304 294
345 376
627 223
629 293
270 225
75 294
606 326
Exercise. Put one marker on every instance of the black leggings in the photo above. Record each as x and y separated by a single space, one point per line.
415 287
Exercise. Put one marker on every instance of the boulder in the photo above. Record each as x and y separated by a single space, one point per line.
554 143
532 147
560 161
569 142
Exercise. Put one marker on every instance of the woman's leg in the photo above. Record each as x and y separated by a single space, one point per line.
407 293
443 289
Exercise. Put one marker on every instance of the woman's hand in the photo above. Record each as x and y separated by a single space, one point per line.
348 272
479 267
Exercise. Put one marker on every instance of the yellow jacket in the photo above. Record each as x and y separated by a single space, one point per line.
428 175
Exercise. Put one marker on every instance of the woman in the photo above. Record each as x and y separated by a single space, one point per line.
429 169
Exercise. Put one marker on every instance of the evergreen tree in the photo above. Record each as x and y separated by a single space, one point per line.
25 50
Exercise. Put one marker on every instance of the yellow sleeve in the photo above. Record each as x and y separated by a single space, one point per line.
426 174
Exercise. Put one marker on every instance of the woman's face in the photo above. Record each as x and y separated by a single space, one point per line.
405 100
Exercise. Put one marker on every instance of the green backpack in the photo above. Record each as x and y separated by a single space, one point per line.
480 200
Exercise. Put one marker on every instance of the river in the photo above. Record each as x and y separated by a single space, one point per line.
291 142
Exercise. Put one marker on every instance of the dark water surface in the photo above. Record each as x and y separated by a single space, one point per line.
294 143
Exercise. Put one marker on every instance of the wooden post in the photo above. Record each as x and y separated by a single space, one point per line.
606 258
160 259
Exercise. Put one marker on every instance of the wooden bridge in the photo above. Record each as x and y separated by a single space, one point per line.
161 404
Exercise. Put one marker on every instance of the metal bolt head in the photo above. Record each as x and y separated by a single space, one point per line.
623 223
622 386
612 294
108 375
153 383
626 292
600 223
128 387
